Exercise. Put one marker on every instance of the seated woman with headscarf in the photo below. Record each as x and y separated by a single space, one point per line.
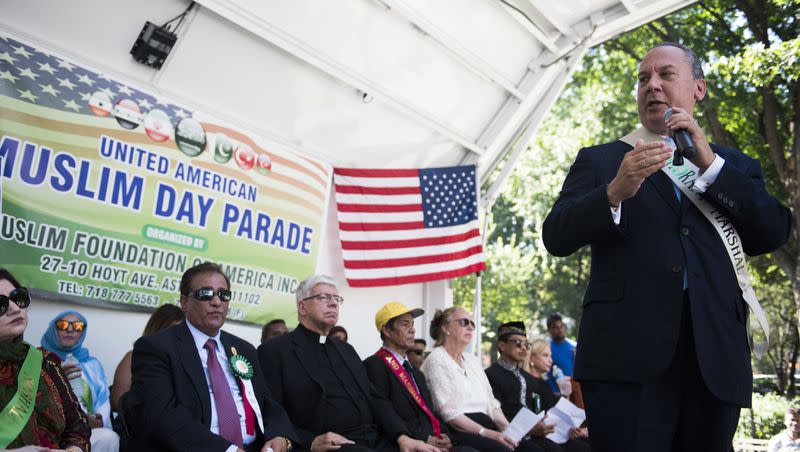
64 337
55 420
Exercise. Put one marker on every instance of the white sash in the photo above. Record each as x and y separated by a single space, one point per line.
684 177
251 398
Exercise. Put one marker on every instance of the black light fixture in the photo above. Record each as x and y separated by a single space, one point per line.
153 45
155 42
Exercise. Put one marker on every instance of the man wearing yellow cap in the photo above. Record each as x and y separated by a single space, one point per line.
394 378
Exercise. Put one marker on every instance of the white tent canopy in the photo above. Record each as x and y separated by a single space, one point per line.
355 83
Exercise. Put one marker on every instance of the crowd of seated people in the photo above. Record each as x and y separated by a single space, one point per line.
190 385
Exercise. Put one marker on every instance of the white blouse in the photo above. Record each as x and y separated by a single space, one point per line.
457 390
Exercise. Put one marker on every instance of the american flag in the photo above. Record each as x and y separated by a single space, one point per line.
32 75
402 226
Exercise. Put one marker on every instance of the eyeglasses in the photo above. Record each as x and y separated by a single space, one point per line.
519 343
416 352
464 322
207 294
326 298
19 296
77 325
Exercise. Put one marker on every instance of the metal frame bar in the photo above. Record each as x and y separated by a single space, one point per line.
451 45
330 66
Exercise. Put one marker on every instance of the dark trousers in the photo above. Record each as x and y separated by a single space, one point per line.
484 444
675 412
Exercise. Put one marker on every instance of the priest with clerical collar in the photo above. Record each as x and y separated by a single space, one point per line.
397 380
323 385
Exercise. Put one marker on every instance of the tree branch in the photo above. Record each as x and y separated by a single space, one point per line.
618 45
772 111
785 260
718 132
723 24
756 20
661 34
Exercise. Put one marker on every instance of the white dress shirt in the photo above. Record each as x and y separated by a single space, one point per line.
200 339
701 184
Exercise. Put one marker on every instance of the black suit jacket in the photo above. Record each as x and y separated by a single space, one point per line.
169 406
293 377
387 385
506 388
633 304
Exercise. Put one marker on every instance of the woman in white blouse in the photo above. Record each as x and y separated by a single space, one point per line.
460 390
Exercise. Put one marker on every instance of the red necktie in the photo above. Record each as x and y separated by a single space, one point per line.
230 426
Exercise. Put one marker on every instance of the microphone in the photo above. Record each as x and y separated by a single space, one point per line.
683 142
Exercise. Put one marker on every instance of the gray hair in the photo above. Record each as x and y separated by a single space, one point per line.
691 57
304 289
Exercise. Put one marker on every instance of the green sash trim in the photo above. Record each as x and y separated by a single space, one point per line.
20 408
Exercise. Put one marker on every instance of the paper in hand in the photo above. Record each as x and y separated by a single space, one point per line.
566 416
522 423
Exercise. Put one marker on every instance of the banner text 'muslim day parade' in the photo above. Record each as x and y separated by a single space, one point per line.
111 193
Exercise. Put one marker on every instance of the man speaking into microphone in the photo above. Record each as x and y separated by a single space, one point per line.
668 290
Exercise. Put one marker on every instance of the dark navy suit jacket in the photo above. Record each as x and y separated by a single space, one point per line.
169 406
633 304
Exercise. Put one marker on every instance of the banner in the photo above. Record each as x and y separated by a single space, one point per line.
111 193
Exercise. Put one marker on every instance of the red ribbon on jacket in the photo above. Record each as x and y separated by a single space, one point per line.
405 379
249 413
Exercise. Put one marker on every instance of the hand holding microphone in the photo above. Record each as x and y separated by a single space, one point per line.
683 142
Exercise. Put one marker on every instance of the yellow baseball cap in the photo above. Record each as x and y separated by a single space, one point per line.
394 309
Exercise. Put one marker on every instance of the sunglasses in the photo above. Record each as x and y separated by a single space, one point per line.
519 343
207 294
77 326
20 297
464 322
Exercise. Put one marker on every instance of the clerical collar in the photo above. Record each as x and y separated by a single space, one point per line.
311 335
506 365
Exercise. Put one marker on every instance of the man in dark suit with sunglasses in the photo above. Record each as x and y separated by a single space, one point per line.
196 387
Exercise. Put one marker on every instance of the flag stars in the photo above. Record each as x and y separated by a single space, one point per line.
124 90
145 104
49 89
47 68
71 105
7 75
21 51
181 114
26 94
447 196
26 72
66 65
85 79
85 96
66 83
5 56
108 92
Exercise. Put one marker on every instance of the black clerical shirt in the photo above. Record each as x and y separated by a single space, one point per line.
346 408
